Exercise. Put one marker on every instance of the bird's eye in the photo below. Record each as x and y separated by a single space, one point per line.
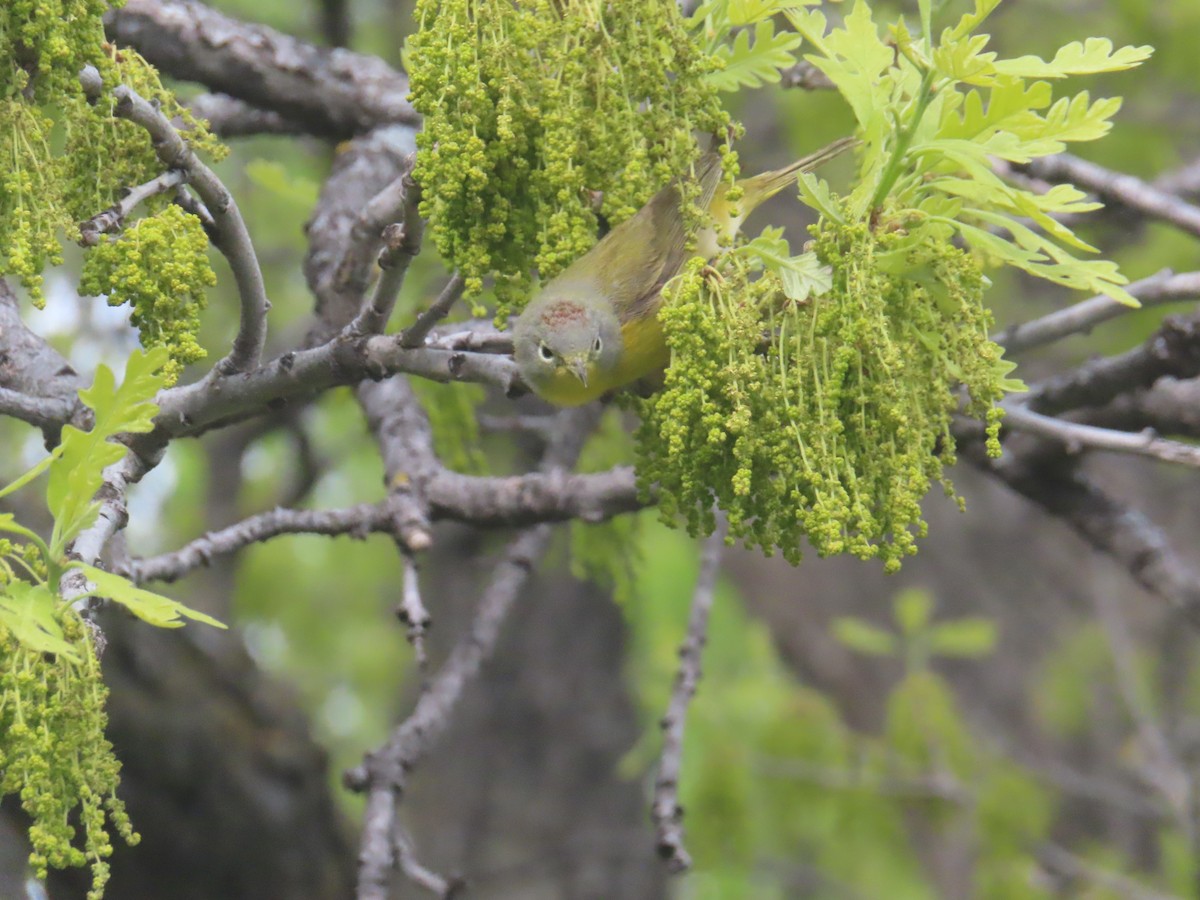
596 346
545 353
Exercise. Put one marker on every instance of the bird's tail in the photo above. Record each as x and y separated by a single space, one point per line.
760 188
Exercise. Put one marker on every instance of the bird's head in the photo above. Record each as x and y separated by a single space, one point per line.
565 344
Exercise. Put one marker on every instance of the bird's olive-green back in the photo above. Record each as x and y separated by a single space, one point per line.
634 260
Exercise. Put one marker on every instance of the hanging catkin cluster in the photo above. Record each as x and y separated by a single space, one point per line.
826 420
544 115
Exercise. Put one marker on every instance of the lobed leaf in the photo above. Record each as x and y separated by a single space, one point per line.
753 65
1093 56
864 637
27 610
156 609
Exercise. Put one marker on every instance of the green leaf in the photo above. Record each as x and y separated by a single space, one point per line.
751 12
864 637
146 605
854 58
912 609
1009 105
1089 58
970 21
969 638
33 473
802 276
76 474
1075 119
753 65
1002 367
966 61
9 523
27 610
815 192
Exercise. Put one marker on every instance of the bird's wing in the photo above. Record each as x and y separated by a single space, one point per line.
634 260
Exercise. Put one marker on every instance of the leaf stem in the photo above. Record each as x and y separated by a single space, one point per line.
896 163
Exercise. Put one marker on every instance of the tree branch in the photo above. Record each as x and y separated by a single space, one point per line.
415 334
1173 350
1042 474
401 244
113 218
1081 318
230 117
331 93
385 773
665 809
232 238
1118 187
1077 437
363 193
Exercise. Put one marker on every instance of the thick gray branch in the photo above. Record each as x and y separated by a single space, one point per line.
1118 187
1082 317
330 92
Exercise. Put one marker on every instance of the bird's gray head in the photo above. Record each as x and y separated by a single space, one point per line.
567 345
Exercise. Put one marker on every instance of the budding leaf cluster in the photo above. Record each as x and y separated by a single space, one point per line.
53 753
541 118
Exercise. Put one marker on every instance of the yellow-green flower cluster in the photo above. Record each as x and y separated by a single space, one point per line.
160 267
104 156
828 419
54 755
44 44
32 211
47 186
541 117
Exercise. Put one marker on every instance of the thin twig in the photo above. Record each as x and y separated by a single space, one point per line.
113 218
665 810
356 521
1075 867
516 500
1077 437
401 244
1159 767
415 616
415 334
484 338
406 857
385 773
1082 317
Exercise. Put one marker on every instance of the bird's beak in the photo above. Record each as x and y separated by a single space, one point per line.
579 365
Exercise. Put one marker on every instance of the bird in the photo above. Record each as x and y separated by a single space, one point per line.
594 327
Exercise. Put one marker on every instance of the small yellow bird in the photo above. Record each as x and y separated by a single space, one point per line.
595 327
